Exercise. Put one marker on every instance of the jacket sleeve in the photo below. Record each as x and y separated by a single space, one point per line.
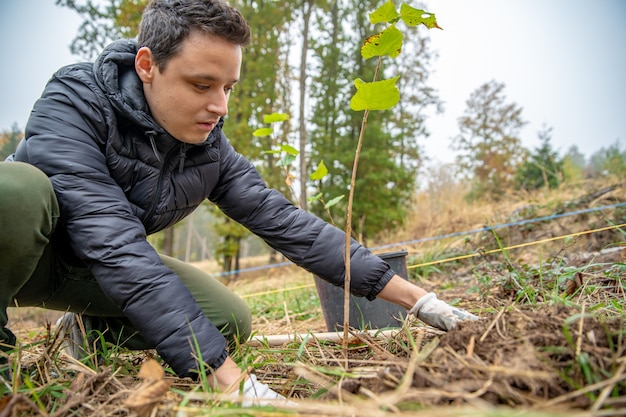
66 138
303 238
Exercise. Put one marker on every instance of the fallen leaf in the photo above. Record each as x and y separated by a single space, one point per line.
151 371
151 391
573 284
78 383
12 405
4 402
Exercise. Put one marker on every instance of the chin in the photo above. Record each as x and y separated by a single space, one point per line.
194 140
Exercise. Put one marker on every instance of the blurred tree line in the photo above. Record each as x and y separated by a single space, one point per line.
493 160
308 51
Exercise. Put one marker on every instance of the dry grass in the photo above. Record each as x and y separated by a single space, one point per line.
551 341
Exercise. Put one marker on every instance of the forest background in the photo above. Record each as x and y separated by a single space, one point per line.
302 60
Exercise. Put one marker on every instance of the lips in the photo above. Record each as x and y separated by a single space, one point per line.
207 126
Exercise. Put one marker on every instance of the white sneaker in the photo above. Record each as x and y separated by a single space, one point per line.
74 339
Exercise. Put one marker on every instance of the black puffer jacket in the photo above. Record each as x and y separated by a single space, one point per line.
119 176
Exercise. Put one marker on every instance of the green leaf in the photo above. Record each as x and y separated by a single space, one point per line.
386 13
275 117
413 17
316 197
320 172
286 160
263 131
333 201
377 95
386 43
290 149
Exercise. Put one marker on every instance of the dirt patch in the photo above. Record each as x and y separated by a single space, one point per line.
529 357
518 357
560 341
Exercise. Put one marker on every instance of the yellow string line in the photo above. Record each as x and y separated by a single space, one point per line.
276 291
456 258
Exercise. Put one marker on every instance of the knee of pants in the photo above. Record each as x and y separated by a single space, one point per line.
28 197
238 327
19 177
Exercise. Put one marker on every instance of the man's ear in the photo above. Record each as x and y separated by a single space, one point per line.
145 65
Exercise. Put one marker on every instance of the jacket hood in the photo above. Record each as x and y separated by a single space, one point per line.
114 71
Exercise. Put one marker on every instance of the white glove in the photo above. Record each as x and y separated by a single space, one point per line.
255 393
439 314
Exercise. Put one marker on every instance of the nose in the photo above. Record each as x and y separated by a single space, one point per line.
218 103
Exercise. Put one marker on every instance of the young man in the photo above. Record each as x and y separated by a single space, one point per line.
130 145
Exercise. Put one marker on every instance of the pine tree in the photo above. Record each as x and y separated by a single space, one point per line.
543 167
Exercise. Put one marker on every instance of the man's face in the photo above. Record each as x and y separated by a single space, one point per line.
190 95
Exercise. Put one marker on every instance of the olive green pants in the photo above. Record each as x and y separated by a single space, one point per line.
32 275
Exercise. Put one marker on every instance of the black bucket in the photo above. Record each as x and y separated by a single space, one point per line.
364 314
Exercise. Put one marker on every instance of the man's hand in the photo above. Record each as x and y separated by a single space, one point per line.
439 314
251 393
255 393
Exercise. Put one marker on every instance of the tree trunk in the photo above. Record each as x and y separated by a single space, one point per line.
307 9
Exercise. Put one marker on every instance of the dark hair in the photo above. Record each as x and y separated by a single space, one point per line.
165 24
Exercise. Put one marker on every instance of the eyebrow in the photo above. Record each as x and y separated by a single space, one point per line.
211 78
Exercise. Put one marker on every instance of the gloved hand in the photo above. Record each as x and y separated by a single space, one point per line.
255 393
439 314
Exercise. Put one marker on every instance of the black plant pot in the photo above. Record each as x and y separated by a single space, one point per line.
364 314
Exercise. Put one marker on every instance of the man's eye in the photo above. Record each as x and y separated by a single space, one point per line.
202 87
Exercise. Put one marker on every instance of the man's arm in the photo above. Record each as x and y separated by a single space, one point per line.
302 237
401 292
424 305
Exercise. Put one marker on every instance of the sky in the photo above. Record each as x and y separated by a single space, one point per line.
562 61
